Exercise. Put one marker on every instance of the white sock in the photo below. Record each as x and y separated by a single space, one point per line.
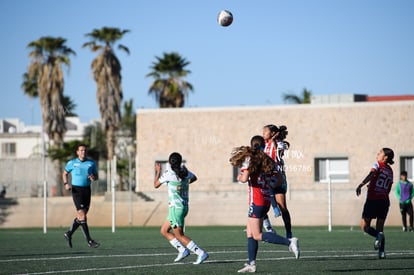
194 248
177 245
267 224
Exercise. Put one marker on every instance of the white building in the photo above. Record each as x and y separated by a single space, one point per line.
19 141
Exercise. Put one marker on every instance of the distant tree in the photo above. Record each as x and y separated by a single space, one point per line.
44 78
29 87
69 106
169 87
95 137
128 118
304 98
106 70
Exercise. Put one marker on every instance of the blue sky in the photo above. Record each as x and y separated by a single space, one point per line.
272 47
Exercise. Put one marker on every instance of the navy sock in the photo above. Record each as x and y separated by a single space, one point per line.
371 231
252 246
273 200
287 222
271 237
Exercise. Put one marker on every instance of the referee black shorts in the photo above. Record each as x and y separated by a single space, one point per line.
376 209
81 197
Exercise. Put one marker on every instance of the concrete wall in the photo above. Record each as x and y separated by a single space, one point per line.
206 136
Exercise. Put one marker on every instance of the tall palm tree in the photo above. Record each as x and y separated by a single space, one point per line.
169 86
304 98
106 70
44 78
128 118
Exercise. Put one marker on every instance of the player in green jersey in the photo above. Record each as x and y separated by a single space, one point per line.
177 178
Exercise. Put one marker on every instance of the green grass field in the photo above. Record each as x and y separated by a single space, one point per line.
144 251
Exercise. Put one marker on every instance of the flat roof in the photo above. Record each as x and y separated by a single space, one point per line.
273 107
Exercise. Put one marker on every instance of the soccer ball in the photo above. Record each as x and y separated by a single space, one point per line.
225 18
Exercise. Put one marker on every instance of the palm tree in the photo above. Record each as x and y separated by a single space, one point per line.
169 87
128 118
69 106
106 70
44 78
304 98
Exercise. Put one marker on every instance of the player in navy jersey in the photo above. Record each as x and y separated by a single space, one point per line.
377 203
83 171
275 145
256 167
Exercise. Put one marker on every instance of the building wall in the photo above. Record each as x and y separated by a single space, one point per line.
206 136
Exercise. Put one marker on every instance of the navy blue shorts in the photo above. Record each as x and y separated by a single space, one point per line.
258 211
376 209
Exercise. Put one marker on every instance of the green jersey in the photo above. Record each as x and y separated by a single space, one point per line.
177 188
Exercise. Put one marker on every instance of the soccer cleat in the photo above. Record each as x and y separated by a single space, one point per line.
404 229
248 268
201 258
381 255
294 247
378 241
93 244
68 238
411 229
182 255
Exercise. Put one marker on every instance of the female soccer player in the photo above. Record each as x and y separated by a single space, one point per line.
377 203
275 145
255 167
177 178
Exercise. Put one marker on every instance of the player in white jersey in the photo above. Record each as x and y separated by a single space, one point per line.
177 178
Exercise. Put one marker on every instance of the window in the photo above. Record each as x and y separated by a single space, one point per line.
337 168
8 149
407 164
236 172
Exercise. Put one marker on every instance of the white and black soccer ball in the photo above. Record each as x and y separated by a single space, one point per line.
225 18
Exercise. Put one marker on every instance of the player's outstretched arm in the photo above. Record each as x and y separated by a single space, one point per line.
157 175
365 181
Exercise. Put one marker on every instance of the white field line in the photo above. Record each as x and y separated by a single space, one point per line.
328 254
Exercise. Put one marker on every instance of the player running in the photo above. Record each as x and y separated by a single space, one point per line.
275 145
255 166
177 178
377 203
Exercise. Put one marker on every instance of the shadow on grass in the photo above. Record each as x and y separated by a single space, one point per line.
5 204
381 270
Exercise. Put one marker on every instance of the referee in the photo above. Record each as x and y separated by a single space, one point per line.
83 171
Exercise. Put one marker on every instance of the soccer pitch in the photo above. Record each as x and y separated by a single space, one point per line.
142 250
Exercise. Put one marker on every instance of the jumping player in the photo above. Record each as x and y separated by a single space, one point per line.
275 145
177 178
83 171
255 164
377 203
